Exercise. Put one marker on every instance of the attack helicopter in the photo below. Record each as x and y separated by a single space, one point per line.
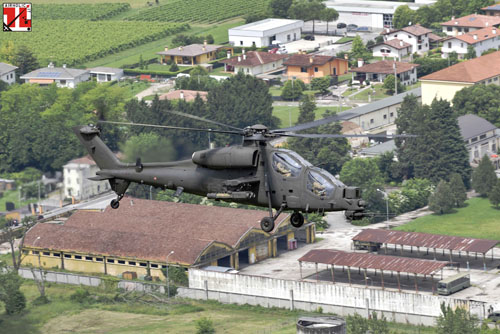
253 173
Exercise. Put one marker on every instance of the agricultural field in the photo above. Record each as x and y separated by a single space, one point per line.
73 42
132 3
201 11
91 12
477 220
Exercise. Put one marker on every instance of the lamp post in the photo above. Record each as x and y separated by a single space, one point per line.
386 197
168 282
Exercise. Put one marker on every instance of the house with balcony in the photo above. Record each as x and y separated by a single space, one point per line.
445 83
61 76
393 48
415 35
469 23
255 62
307 67
405 72
493 10
481 40
190 55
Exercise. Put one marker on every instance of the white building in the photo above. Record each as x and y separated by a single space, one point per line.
375 14
394 48
481 40
469 23
76 182
415 35
62 76
8 73
480 136
266 32
254 63
106 74
406 72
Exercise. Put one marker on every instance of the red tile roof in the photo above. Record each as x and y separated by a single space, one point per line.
473 21
385 67
481 35
188 95
254 58
416 30
434 37
305 60
473 71
396 43
86 160
150 230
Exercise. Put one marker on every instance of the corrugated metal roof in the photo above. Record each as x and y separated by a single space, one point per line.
426 240
371 261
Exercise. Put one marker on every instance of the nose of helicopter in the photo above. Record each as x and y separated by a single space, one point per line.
356 206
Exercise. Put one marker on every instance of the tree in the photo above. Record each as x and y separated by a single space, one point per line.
307 10
150 147
25 60
471 52
292 90
328 15
440 201
494 195
484 177
173 67
11 235
306 109
198 70
356 324
359 50
456 321
204 326
280 8
10 293
322 84
480 100
487 52
403 17
458 191
429 65
391 86
141 62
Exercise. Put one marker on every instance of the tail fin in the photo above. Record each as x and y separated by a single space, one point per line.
102 155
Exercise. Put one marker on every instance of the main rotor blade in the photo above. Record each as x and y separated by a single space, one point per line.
175 127
180 113
319 135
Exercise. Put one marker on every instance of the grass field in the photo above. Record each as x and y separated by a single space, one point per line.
148 50
283 113
477 220
63 315
13 196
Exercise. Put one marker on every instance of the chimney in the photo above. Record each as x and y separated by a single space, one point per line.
453 17
239 58
228 55
64 65
204 48
360 62
51 65
166 48
474 36
456 22
400 43
494 31
243 51
181 95
244 56
487 24
311 60
205 42
387 30
180 48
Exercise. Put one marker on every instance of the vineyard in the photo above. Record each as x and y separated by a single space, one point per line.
73 42
91 12
202 11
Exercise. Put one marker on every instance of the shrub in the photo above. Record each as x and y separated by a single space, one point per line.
174 67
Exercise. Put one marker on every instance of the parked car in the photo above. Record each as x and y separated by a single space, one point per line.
309 38
341 25
352 27
273 50
494 316
363 29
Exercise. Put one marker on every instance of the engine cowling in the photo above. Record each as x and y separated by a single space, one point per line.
227 157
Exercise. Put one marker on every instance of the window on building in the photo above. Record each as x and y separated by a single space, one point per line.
489 80
459 29
372 121
316 69
241 42
385 116
466 29
56 254
476 154
154 265
449 45
493 147
391 114
495 79
131 263
89 258
164 266
67 256
46 253
62 82
110 260
482 136
26 252
294 36
288 38
461 45
409 36
143 264
303 69
420 47
449 29
121 262
78 257
35 252
472 140
98 259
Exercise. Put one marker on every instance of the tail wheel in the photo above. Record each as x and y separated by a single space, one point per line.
267 224
115 203
297 219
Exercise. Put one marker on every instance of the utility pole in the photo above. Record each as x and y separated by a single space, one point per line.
168 281
386 197
395 79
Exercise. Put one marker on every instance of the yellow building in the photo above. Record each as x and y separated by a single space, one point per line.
445 83
193 54
141 234
307 67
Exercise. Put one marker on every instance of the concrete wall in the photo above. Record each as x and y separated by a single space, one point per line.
56 277
337 298
440 89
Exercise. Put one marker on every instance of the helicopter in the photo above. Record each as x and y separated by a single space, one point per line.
253 173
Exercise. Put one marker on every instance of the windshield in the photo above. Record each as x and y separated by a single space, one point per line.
333 178
441 285
299 158
319 185
286 165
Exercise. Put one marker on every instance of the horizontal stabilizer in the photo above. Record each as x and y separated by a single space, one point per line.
100 178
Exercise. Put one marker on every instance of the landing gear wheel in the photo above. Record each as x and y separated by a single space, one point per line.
267 224
297 219
115 203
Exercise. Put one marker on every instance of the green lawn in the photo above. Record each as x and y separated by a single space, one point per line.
477 220
276 91
283 113
133 88
344 40
148 50
13 196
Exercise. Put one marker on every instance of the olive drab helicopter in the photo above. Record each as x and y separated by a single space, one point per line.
254 173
